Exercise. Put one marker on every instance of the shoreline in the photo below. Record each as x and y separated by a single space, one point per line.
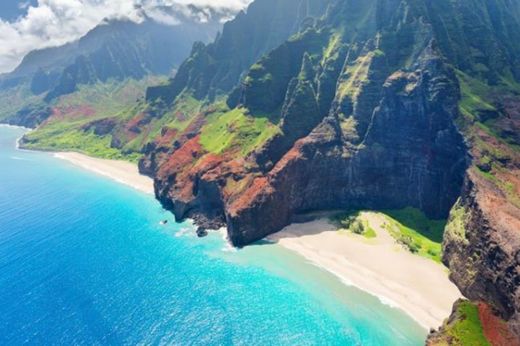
122 172
417 286
426 295
15 126
26 129
352 259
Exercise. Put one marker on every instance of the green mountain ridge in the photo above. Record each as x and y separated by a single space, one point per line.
420 90
115 50
309 105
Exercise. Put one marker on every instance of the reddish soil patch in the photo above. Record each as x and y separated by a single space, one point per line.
180 116
259 186
495 329
196 125
183 157
135 122
292 155
206 164
167 137
73 112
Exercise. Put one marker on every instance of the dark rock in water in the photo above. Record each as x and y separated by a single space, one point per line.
201 232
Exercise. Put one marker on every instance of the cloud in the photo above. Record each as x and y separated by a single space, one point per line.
24 5
56 22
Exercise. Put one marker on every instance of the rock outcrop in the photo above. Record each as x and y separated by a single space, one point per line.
482 248
378 104
411 155
357 129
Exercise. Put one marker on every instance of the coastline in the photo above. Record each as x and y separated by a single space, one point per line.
418 286
15 126
121 171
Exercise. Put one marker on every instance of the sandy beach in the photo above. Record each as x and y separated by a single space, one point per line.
120 171
379 266
418 286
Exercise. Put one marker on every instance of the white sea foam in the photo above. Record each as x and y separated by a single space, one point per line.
18 158
14 126
228 247
347 282
183 232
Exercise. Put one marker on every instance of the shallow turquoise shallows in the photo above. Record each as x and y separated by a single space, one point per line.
83 260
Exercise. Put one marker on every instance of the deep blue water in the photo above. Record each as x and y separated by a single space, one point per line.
83 260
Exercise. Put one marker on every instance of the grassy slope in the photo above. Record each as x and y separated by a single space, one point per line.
64 138
414 230
477 98
16 99
64 131
408 226
463 329
353 223
236 131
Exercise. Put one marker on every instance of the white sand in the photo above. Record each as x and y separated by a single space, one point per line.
120 171
418 286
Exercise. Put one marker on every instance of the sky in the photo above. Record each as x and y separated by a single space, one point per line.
11 9
26 25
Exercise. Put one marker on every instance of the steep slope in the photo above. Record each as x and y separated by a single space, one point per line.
116 50
340 100
127 131
379 104
215 69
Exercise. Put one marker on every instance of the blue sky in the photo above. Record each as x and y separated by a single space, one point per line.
12 9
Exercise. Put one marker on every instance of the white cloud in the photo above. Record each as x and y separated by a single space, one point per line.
55 22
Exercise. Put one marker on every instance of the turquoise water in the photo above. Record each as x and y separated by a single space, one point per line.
84 261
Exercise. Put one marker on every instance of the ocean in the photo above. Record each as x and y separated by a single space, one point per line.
84 261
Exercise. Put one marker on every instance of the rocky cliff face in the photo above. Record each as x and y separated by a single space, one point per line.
482 248
357 128
410 155
215 69
378 104
482 239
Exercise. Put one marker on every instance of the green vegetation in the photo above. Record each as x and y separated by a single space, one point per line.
415 219
466 328
474 96
416 232
53 138
16 99
409 226
457 221
331 51
478 107
65 131
106 99
353 222
355 76
235 130
348 127
178 117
